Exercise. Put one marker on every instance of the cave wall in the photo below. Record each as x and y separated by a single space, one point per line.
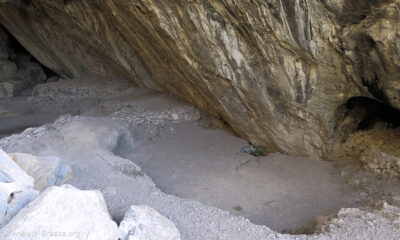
279 72
18 70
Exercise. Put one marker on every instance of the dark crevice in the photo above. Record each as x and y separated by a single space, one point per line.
18 49
370 112
354 11
374 88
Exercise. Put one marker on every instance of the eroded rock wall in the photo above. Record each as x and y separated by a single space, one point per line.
279 72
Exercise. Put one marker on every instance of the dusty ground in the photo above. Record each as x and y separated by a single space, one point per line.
179 152
284 193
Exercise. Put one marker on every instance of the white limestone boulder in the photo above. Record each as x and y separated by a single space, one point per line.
46 171
64 212
14 173
13 198
16 188
145 223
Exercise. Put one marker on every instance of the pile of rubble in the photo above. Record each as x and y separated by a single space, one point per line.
65 211
377 149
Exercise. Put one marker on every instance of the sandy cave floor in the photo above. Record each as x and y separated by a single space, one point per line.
183 154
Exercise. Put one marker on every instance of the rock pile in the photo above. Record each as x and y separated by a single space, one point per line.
22 175
16 188
66 91
140 115
17 70
377 149
65 211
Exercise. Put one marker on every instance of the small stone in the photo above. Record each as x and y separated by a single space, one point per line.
363 158
353 182
373 165
175 117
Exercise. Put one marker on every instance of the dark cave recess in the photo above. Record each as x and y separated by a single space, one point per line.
372 112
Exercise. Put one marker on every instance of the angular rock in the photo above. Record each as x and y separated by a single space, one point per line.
16 188
46 171
67 211
13 198
13 171
10 88
145 223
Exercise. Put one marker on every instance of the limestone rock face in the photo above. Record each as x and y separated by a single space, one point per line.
279 72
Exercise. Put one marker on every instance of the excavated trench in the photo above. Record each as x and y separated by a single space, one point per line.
195 160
